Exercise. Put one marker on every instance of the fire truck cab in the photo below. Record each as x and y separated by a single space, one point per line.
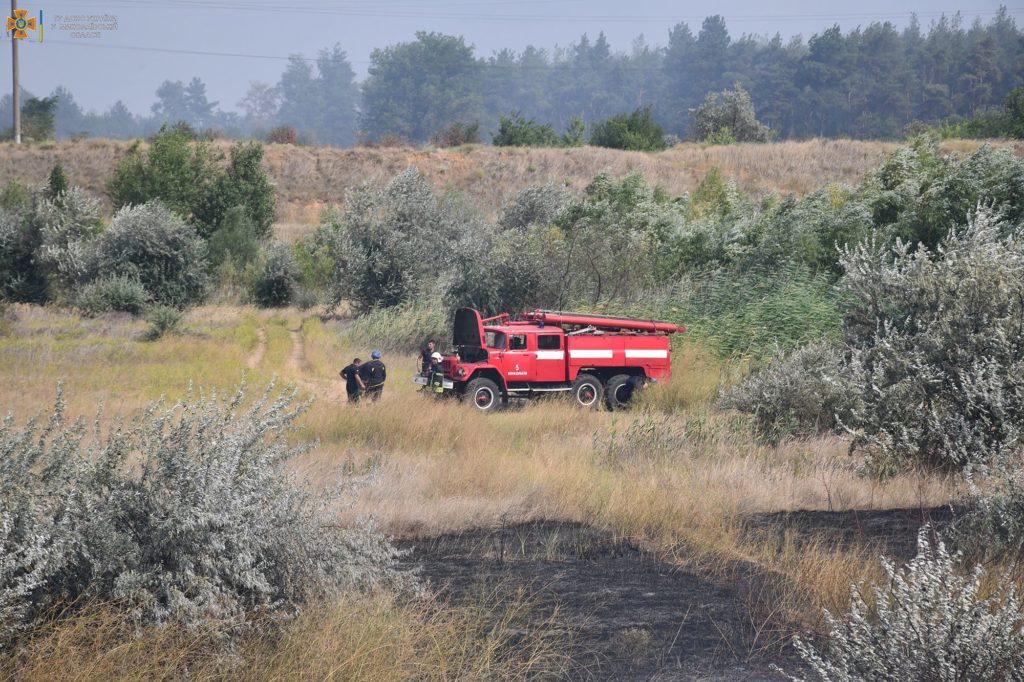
596 359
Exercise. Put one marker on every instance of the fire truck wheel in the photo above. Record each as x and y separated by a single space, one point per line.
587 391
619 392
483 394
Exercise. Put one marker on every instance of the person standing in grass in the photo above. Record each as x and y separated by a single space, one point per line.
373 375
354 385
426 357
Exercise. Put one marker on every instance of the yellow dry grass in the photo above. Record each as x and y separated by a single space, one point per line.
308 179
677 477
376 638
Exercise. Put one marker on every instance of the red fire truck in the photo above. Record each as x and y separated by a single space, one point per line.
595 358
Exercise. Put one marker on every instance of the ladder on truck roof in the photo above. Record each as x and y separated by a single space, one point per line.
601 321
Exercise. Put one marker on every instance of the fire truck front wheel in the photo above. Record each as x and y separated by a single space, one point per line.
483 394
587 391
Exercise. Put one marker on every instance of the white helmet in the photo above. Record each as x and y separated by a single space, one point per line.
436 357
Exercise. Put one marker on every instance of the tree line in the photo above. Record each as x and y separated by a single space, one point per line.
869 82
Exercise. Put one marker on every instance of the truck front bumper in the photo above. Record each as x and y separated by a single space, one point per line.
445 385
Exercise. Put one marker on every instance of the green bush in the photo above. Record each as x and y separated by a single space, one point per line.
931 363
20 277
236 239
636 131
242 184
611 242
44 243
278 279
116 293
57 183
516 131
152 245
15 196
37 118
575 134
184 174
175 169
162 319
918 194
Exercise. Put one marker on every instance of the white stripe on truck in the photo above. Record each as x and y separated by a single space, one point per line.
590 354
637 354
551 355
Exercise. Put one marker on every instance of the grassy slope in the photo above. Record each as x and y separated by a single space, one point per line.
442 468
309 178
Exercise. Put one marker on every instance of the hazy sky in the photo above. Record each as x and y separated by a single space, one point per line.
155 40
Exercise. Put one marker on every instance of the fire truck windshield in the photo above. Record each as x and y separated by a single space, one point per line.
495 340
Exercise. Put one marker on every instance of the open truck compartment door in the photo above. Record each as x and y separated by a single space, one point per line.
468 328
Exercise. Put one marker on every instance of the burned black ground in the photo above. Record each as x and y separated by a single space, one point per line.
632 616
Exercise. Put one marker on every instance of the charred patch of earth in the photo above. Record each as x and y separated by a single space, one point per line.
628 614
888 532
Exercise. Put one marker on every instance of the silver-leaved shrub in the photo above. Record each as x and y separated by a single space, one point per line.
66 223
992 527
930 368
935 350
799 394
927 622
151 244
393 242
186 512
534 205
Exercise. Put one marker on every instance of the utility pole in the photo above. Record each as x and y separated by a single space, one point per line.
16 94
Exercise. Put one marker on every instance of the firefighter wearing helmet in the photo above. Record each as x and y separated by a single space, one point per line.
435 373
374 374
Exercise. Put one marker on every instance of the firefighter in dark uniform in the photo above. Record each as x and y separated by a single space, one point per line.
373 374
353 382
426 357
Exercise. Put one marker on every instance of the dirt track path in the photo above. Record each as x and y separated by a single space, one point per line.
256 357
300 371
296 361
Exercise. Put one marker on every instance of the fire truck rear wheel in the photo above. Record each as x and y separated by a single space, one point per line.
483 394
619 392
587 391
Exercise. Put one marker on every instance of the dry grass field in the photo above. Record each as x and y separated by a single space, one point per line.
309 178
685 485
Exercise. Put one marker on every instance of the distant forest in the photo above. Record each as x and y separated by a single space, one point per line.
871 82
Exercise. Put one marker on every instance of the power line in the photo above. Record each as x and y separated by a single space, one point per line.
201 53
376 11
